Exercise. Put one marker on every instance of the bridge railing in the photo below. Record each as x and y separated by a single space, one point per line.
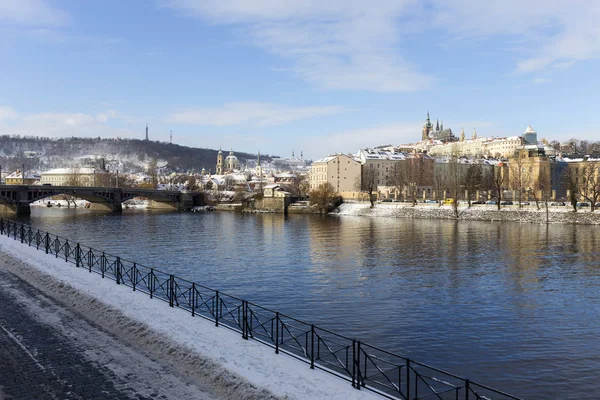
364 366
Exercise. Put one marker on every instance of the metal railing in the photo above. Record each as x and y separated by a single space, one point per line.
365 366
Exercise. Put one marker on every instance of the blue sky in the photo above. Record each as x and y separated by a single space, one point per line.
283 76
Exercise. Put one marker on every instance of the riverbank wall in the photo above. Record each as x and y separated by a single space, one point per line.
473 213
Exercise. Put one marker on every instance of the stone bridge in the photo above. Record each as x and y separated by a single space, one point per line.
17 198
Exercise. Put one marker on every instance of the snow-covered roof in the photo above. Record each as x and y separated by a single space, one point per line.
67 171
529 129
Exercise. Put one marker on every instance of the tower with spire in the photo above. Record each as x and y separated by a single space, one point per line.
427 128
474 134
259 171
462 134
219 169
146 131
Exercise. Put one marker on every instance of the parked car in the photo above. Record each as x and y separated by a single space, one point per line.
583 204
597 204
429 201
525 203
507 203
558 203
478 202
491 202
386 200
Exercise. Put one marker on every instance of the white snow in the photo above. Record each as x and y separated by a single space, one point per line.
220 353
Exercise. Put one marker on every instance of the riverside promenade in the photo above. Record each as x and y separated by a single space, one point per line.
66 333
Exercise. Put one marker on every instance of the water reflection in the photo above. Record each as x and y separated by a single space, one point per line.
512 305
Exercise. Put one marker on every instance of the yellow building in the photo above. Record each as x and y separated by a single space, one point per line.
76 177
340 170
16 178
529 176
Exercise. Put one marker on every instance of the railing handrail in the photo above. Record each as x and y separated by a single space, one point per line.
321 348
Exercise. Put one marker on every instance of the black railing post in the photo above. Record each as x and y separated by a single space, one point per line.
22 232
467 384
359 380
67 251
312 347
102 264
1 226
90 259
134 273
193 299
118 271
47 240
353 363
56 247
77 255
244 320
277 333
408 378
151 282
216 308
171 290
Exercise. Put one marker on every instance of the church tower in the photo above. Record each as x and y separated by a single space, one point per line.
258 171
427 128
219 170
474 134
462 134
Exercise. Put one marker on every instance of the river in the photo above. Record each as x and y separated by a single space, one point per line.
514 306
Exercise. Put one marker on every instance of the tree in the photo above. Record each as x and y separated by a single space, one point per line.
473 180
439 182
397 178
414 172
454 181
322 196
153 172
572 185
521 178
367 182
498 181
589 183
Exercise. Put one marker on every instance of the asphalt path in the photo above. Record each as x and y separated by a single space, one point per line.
50 352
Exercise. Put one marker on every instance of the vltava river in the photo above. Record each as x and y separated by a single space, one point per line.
515 306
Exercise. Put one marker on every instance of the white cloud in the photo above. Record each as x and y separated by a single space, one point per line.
340 44
540 81
350 141
31 12
7 113
550 33
255 114
61 124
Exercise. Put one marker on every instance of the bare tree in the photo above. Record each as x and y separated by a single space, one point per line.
473 180
454 181
153 172
520 176
439 182
498 181
589 183
413 176
322 196
397 178
572 185
367 182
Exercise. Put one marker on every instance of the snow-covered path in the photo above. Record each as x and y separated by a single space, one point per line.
217 360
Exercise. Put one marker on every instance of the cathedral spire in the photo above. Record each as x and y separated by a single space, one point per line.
437 125
146 131
441 125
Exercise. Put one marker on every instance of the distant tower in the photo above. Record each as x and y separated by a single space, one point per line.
437 125
301 156
441 125
293 154
474 134
259 171
146 131
171 138
427 128
219 170
462 134
530 136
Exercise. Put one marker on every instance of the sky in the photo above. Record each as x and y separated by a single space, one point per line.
283 76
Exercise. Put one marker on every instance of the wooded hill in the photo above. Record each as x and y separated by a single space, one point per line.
128 155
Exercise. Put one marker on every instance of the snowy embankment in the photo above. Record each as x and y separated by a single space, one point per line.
474 213
215 356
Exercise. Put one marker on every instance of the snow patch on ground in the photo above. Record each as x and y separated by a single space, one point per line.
475 213
220 358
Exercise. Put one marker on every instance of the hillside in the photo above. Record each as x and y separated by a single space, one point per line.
127 155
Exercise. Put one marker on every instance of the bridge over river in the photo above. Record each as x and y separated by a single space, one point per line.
17 198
